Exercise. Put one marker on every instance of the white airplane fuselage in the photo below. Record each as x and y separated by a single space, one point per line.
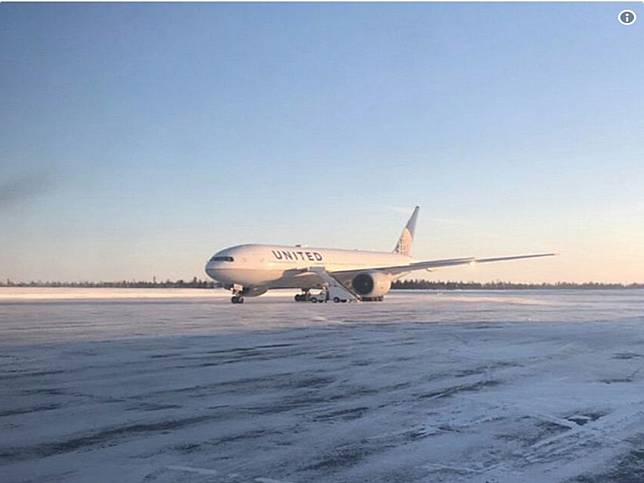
344 275
282 266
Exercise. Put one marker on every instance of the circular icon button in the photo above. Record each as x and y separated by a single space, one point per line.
627 17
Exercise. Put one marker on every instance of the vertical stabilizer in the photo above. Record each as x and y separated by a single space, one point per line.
407 236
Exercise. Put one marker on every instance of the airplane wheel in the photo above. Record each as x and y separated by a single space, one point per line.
314 300
298 297
344 301
336 299
236 299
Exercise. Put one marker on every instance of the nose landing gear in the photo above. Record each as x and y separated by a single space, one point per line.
238 292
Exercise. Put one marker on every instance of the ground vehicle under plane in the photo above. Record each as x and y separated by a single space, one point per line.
350 275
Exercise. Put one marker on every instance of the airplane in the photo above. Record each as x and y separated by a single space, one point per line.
346 275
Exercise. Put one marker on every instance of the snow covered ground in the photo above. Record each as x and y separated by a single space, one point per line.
427 386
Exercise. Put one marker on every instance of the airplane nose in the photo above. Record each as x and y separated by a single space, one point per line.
210 270
218 267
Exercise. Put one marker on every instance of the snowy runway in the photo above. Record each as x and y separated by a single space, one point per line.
452 386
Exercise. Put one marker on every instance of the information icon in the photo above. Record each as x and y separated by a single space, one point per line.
627 17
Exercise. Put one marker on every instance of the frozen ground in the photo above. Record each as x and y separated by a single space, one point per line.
455 386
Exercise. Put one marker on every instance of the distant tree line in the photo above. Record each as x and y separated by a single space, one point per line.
194 283
500 285
415 284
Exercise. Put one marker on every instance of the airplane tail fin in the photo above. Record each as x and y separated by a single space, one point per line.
406 239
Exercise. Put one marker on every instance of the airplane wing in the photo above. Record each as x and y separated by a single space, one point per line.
449 262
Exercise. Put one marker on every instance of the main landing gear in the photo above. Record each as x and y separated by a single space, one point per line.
237 299
305 296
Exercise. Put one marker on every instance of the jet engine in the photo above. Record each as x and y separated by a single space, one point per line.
371 285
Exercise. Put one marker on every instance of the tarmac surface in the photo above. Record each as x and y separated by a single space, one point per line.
167 386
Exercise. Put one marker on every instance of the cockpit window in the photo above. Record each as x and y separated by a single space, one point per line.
221 259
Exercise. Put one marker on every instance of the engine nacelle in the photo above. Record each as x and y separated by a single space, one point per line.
371 285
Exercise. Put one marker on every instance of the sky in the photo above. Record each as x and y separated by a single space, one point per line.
138 139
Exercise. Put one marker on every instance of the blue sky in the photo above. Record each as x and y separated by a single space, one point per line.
138 139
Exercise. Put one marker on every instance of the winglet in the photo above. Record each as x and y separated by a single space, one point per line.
406 239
